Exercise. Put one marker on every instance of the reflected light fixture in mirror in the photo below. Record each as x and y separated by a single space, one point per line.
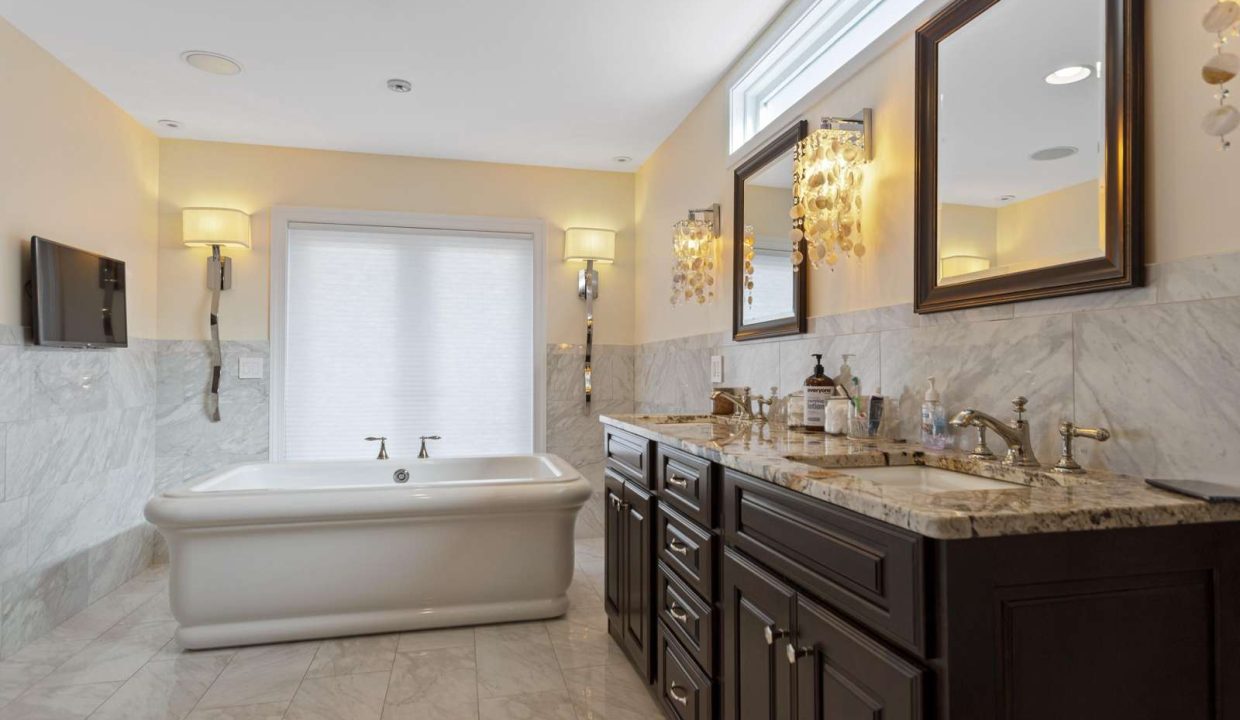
589 245
828 173
215 228
1069 75
695 255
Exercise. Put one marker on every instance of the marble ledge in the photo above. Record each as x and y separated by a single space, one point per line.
1039 500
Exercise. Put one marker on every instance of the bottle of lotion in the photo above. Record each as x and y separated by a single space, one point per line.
818 389
933 420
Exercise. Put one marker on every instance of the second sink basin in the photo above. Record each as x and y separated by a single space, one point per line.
926 479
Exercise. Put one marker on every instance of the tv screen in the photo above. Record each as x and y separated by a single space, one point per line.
78 297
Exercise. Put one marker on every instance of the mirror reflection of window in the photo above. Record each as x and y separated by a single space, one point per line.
1022 139
768 198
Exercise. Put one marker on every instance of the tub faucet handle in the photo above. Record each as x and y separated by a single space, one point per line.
382 446
422 452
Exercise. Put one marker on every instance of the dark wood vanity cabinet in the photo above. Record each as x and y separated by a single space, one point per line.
629 550
772 605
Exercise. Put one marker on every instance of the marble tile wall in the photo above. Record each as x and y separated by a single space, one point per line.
77 464
573 430
1158 365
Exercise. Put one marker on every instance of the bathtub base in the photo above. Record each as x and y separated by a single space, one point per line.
259 632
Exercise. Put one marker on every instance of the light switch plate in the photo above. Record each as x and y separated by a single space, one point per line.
250 368
716 368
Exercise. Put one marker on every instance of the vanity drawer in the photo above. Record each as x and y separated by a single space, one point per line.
686 616
628 453
684 482
687 549
686 693
868 569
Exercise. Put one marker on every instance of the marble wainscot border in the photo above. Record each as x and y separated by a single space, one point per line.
1038 501
77 464
1156 365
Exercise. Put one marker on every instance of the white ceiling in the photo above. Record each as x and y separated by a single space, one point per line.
567 83
996 107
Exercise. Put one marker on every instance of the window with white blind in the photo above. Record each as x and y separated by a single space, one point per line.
403 332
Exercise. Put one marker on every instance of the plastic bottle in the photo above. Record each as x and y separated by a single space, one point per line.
933 420
818 389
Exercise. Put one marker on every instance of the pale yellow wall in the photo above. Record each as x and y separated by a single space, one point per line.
255 178
967 230
1191 186
78 170
1061 224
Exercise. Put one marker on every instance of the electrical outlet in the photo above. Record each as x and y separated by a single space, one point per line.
250 368
716 368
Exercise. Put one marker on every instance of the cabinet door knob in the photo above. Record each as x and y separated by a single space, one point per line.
772 633
678 481
795 653
677 547
678 694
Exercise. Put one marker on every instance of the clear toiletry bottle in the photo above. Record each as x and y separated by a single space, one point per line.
933 420
818 390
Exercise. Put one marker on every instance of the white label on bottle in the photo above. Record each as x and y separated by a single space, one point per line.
816 406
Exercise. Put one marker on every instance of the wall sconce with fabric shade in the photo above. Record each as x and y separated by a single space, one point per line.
828 171
215 228
695 251
589 245
954 265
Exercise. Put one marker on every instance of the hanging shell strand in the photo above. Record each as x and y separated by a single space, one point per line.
1223 21
828 172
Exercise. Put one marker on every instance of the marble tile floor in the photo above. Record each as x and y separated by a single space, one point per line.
116 660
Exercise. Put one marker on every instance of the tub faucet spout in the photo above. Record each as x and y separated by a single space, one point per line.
382 446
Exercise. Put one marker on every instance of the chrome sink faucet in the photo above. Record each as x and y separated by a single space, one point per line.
743 403
1015 433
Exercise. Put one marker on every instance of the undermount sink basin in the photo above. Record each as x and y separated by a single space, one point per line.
926 479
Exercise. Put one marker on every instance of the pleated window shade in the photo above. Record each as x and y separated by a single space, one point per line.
405 332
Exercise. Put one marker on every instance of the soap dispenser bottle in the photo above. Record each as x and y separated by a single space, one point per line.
818 390
933 420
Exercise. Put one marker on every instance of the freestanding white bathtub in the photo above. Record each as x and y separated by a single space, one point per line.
287 551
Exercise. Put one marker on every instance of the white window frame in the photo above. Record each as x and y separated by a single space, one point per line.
811 49
282 217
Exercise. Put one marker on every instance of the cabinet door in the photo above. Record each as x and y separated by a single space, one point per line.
613 522
637 585
757 618
843 674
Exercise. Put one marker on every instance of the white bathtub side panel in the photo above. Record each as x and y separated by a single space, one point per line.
249 584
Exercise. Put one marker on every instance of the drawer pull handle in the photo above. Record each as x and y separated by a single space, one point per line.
677 547
772 633
679 694
795 653
677 613
678 481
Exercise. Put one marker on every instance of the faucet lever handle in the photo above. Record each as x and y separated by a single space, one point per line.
1069 430
422 453
382 440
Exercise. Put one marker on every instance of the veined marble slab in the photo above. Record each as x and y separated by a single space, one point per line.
1039 500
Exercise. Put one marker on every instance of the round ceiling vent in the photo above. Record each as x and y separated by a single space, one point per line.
213 63
170 124
622 159
398 85
1054 153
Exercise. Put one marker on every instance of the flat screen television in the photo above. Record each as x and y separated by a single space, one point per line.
78 297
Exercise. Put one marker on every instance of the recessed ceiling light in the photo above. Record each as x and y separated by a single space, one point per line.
1069 75
622 159
170 124
399 86
1054 153
213 63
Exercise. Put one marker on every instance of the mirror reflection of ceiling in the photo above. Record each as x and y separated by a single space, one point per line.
777 174
996 108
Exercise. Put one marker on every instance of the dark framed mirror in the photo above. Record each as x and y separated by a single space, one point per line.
1029 151
769 292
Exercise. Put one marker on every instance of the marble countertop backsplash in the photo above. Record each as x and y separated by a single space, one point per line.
1038 501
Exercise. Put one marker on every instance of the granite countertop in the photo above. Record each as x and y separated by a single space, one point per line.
1038 501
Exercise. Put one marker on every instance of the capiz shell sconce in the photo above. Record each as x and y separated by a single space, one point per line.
827 178
695 256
